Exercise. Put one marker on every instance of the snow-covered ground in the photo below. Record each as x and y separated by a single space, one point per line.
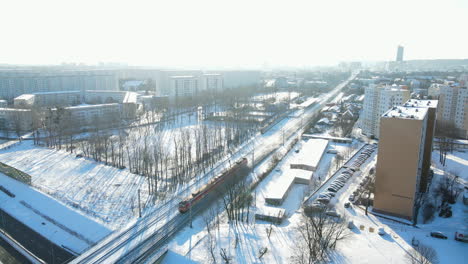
50 218
189 245
107 194
361 246
279 96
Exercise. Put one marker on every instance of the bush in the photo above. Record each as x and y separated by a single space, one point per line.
428 212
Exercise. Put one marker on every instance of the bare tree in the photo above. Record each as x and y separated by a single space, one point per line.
225 256
422 254
318 236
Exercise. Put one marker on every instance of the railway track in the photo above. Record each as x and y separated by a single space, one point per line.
112 244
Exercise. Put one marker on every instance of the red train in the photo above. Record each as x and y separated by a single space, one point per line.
196 196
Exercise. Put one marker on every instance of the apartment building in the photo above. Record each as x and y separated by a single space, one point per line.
15 82
378 99
453 108
184 86
211 82
47 99
16 119
90 114
404 157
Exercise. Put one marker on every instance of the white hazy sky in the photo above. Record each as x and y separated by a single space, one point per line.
230 33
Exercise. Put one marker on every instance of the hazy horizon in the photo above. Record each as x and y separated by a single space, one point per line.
230 34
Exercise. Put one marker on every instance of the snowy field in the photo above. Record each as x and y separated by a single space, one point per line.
361 246
105 193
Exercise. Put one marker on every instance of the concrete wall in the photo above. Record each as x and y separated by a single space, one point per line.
397 166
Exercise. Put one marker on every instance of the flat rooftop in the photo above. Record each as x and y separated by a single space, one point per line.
421 103
25 97
403 112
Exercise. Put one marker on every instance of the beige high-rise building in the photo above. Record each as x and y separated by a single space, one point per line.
404 157
453 108
377 100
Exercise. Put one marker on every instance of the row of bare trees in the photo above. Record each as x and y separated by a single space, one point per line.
170 156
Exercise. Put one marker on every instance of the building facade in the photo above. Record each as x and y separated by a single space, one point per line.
404 157
453 108
184 86
19 120
399 56
211 82
103 114
48 99
377 100
17 82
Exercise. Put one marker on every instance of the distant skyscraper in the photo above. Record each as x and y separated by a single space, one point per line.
399 55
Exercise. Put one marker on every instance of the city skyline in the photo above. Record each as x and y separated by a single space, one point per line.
230 34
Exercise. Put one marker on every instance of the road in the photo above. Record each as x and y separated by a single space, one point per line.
136 242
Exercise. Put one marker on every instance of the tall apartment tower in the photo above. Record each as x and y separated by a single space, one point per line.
377 100
399 56
404 158
453 108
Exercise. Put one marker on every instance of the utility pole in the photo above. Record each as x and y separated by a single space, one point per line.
282 132
253 156
190 209
139 204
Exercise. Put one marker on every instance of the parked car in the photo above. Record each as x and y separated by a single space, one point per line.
347 205
461 235
351 198
351 224
331 189
381 231
438 234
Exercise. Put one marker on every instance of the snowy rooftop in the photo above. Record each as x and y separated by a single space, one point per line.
14 110
422 103
25 97
48 217
57 92
407 112
90 106
311 152
182 77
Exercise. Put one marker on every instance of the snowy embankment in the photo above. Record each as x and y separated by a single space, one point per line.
48 217
107 194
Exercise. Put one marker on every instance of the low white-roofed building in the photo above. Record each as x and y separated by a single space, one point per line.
24 100
310 156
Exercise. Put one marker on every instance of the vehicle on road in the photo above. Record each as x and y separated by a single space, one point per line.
461 235
438 234
347 205
196 196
